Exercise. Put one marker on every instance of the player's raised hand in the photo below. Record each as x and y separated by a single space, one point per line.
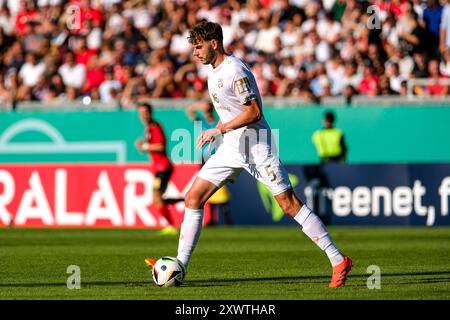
207 136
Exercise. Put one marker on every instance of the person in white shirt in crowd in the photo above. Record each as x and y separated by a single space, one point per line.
72 73
30 73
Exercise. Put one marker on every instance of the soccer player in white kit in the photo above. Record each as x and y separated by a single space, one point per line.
246 146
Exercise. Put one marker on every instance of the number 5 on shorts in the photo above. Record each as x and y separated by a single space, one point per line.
270 173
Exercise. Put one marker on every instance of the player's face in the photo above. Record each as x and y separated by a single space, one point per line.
204 52
144 115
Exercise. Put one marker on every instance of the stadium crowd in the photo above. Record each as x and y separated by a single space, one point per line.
121 51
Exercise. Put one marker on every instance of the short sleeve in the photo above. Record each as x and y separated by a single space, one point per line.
157 135
243 87
445 18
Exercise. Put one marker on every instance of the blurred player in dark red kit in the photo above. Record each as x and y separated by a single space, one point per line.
155 145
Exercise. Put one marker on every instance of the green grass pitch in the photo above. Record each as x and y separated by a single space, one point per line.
229 263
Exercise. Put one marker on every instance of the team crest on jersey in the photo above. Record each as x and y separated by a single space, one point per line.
220 83
242 85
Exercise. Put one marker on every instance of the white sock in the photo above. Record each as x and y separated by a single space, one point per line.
189 234
313 227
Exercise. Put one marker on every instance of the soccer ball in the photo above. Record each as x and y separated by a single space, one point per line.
168 271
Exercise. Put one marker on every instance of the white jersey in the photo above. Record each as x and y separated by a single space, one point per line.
230 86
249 148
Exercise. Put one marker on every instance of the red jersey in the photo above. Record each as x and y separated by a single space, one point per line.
435 89
369 86
155 134
22 19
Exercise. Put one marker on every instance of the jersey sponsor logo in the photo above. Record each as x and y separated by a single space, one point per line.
242 85
221 107
220 83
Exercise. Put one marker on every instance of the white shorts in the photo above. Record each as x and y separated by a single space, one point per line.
227 164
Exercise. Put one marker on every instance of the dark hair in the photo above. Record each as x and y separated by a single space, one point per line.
145 105
329 116
204 31
413 15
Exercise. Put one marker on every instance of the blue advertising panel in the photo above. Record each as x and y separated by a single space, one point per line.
342 194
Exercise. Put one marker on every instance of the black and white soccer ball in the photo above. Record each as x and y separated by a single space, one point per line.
168 271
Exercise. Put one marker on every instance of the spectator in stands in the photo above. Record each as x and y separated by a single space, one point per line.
109 89
351 76
349 93
418 7
396 7
7 21
320 84
403 88
136 89
328 29
338 9
384 87
369 83
5 94
27 12
404 61
29 75
95 74
444 41
145 40
444 67
335 71
432 21
420 69
73 75
82 53
57 89
394 76
418 40
434 86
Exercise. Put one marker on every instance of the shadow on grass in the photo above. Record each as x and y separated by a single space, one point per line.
222 282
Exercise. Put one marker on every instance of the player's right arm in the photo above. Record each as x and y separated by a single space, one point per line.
252 113
149 147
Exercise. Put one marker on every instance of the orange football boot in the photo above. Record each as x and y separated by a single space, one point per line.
150 262
340 273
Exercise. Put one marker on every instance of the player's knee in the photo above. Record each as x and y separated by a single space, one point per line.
193 200
287 207
157 199
289 204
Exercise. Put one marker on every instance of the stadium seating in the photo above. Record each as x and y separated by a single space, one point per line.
114 51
